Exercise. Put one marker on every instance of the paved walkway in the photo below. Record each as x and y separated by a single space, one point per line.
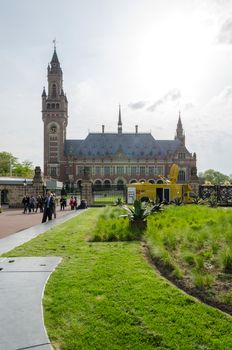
22 283
13 220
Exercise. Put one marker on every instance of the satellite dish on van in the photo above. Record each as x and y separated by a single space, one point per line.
174 171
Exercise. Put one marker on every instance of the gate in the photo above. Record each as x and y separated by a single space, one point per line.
104 195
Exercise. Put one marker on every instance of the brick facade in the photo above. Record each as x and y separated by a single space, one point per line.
112 158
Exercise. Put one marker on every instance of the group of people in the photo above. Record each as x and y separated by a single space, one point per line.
47 204
32 204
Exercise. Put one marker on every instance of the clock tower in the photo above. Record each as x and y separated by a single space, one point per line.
55 118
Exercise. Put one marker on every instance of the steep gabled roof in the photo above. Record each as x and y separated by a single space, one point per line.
170 146
111 144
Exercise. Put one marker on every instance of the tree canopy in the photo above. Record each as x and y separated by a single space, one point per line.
9 165
214 176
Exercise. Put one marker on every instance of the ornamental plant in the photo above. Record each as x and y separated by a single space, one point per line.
138 214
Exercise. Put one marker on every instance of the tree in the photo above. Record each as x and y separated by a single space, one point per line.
9 165
24 170
214 176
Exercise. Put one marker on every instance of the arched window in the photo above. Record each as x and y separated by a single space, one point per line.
57 106
151 181
120 185
48 106
107 184
97 185
181 176
53 105
53 90
133 181
160 182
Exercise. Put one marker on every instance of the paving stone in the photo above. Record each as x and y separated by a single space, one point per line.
22 284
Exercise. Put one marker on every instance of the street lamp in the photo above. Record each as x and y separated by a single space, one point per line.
25 186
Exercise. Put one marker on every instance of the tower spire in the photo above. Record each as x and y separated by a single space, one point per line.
119 121
180 131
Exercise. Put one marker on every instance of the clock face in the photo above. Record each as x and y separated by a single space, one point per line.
53 129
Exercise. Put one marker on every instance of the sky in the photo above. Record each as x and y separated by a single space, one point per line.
154 57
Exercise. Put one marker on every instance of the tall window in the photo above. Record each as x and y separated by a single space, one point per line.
142 170
106 170
120 170
151 170
53 90
80 170
133 170
181 176
53 171
98 170
159 170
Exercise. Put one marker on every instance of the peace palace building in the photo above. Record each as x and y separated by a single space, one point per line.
112 158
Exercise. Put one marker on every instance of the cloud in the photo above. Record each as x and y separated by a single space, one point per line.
224 97
225 33
137 105
171 96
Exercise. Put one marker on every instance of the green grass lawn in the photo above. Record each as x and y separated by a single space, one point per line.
107 296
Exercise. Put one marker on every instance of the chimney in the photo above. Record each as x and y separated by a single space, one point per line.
103 129
136 129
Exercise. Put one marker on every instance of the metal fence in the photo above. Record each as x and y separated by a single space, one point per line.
109 194
223 193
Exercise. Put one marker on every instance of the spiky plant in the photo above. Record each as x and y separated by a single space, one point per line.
140 211
119 202
212 201
178 201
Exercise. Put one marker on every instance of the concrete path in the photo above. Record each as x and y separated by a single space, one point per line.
13 220
22 283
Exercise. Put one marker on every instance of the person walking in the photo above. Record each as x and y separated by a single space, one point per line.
49 205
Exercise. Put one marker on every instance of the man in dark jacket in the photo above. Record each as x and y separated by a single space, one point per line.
49 205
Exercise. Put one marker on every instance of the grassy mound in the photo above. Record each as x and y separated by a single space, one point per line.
194 243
